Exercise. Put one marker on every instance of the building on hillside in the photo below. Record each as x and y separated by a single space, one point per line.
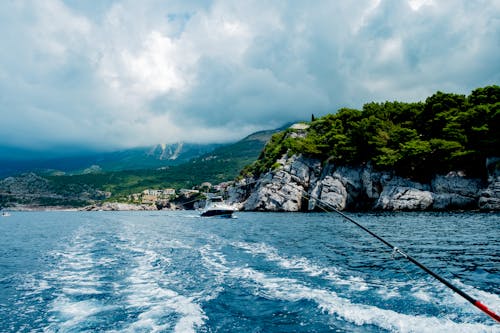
169 191
159 193
187 192
150 196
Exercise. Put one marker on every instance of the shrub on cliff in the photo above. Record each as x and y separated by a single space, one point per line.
446 132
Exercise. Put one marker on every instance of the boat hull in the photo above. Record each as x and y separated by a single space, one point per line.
218 212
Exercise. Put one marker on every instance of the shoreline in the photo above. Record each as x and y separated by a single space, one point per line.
117 206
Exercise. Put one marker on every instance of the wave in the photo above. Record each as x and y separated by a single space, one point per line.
427 290
131 279
113 276
148 294
76 284
335 275
71 314
292 290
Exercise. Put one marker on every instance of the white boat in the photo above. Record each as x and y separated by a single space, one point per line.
215 206
5 214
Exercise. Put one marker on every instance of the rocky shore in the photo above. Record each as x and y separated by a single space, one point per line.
118 206
298 182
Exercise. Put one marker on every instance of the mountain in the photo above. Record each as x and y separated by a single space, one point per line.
16 161
222 163
158 156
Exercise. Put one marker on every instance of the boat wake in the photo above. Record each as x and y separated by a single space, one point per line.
170 277
158 307
269 286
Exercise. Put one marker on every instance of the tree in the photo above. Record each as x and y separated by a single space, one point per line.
447 132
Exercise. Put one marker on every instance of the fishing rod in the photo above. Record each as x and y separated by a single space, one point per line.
414 261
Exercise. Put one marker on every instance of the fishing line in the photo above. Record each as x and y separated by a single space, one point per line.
393 256
391 252
396 250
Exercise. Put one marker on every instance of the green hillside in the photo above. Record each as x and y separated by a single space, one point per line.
222 164
417 140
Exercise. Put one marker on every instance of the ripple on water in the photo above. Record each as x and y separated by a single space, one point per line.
130 272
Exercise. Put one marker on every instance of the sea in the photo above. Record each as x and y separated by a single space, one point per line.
167 271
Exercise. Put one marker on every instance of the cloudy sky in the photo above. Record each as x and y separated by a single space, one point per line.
109 74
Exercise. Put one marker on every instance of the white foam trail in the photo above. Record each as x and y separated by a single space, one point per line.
490 300
271 254
148 292
214 259
387 293
304 265
71 313
420 289
360 314
74 278
451 299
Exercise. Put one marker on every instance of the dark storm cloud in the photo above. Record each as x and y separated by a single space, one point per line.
125 73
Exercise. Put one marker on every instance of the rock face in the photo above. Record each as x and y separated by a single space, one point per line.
454 191
301 184
284 188
404 198
238 193
331 191
490 198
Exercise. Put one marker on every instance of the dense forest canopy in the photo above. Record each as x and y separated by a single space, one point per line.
446 132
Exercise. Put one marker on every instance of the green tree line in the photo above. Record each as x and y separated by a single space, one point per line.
417 140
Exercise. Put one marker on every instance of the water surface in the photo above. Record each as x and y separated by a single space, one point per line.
260 272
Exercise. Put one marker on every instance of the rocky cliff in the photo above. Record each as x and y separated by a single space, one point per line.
297 183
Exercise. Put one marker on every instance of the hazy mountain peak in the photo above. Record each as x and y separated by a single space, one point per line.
165 151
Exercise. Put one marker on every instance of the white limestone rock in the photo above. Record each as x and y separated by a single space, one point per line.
330 191
404 198
276 192
118 206
351 180
239 192
284 188
339 187
362 187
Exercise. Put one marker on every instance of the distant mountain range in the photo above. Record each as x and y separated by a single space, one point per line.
74 161
162 155
221 164
82 180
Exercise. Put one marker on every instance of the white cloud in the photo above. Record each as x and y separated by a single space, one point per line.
124 73
156 68
416 4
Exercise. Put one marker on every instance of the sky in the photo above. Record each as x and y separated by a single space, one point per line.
113 74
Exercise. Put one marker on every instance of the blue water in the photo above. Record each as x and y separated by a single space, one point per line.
260 272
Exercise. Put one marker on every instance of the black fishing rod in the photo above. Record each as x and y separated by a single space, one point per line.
470 299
